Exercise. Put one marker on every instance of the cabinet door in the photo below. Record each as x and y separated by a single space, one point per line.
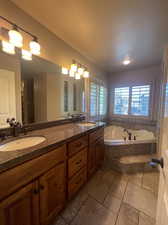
21 208
99 146
52 193
91 159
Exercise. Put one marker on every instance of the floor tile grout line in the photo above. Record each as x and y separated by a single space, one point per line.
121 203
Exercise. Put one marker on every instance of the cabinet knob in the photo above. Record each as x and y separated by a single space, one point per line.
41 187
35 191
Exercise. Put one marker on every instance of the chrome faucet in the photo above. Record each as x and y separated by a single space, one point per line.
129 134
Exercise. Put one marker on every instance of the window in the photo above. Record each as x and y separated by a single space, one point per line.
98 100
140 100
93 99
121 101
102 100
132 100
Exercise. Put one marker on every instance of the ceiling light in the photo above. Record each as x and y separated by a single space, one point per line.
80 70
77 76
15 37
64 71
126 61
26 55
74 67
86 74
71 73
34 47
8 47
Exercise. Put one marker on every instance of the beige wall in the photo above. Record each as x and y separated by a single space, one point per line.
53 48
149 75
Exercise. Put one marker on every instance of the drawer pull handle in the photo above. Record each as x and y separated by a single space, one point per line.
41 187
78 145
36 191
78 181
79 162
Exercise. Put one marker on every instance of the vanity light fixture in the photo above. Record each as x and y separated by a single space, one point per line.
15 37
71 73
86 74
80 70
64 71
77 76
127 61
74 66
8 47
26 55
35 47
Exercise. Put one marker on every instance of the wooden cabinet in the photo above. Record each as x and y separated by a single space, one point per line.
52 192
76 182
100 150
77 162
91 159
21 208
95 151
34 192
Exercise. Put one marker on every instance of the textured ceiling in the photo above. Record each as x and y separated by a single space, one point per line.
107 30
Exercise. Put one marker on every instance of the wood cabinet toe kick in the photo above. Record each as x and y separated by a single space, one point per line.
34 192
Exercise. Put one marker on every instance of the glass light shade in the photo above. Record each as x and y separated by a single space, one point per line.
71 73
80 70
8 47
26 55
86 74
74 67
64 71
15 38
35 48
77 76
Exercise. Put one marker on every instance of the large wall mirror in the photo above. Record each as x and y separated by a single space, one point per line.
36 91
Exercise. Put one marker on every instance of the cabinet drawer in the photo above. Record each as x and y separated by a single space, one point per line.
77 162
96 135
77 145
20 175
76 182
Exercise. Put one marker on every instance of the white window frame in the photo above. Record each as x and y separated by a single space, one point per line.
129 115
98 83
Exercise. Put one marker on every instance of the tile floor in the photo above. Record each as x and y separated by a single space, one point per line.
110 198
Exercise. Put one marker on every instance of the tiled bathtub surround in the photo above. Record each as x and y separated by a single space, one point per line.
128 157
107 200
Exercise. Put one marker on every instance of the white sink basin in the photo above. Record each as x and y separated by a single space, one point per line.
22 143
87 124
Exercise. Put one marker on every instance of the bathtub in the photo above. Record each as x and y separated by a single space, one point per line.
114 135
119 153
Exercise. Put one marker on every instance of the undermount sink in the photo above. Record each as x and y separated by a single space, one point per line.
86 124
22 143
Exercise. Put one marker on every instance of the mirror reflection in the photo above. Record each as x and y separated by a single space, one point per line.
36 91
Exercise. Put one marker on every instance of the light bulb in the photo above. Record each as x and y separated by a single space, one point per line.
126 61
80 70
8 47
71 73
77 76
15 38
64 71
74 67
86 74
26 55
35 47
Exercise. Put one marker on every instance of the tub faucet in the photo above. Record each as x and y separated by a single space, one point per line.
129 134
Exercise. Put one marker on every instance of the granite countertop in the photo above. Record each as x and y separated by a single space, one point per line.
55 136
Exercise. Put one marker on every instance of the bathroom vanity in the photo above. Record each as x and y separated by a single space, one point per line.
36 183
